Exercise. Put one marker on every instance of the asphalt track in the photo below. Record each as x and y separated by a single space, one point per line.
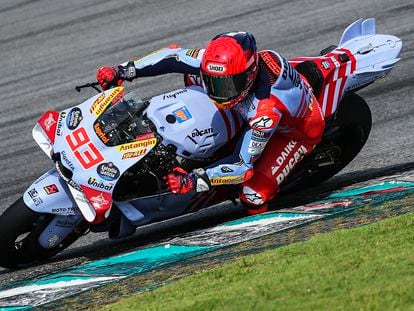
48 47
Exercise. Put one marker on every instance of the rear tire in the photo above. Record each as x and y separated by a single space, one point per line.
20 220
345 134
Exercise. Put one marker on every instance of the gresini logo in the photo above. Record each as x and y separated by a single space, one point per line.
99 201
49 122
198 132
216 68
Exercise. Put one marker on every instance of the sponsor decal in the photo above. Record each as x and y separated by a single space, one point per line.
100 185
51 189
65 223
226 180
364 81
284 154
108 171
74 118
263 122
174 95
225 169
100 133
137 145
100 104
325 64
291 73
193 53
34 195
293 160
259 135
134 154
198 132
271 62
335 61
49 122
216 68
97 102
252 196
64 157
256 147
182 114
83 149
60 123
144 136
74 185
132 72
64 210
98 201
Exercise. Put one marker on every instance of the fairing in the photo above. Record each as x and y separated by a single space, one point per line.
189 120
361 58
96 158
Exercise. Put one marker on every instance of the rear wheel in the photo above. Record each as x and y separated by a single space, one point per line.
345 134
20 228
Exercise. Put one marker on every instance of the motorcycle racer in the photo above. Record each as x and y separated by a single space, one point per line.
284 118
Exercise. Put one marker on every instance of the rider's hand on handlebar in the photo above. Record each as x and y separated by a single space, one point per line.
179 181
109 76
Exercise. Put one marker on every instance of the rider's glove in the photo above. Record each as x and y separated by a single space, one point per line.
114 76
181 182
109 76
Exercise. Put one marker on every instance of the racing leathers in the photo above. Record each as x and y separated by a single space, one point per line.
284 122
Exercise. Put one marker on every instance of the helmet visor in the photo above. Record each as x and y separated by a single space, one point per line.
225 88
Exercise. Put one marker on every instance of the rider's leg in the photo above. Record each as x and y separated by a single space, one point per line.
279 158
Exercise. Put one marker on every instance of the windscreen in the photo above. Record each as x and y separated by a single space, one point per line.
123 122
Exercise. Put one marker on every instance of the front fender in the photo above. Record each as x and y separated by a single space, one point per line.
50 194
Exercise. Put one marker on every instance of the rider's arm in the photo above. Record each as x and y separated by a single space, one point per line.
166 60
262 126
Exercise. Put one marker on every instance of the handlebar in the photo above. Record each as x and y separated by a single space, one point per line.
93 85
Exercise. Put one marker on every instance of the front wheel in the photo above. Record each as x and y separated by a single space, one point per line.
20 228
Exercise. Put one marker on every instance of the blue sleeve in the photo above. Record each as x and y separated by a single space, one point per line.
253 143
169 60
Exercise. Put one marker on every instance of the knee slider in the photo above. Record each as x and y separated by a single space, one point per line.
252 197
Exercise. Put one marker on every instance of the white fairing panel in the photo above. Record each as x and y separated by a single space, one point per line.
375 54
189 120
50 194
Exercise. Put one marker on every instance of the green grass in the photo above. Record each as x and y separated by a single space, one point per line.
366 268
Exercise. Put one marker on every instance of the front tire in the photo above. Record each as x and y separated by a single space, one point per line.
20 228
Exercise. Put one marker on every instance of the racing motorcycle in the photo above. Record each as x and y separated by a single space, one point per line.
111 151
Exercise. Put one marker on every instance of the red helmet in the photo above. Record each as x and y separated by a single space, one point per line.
229 68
